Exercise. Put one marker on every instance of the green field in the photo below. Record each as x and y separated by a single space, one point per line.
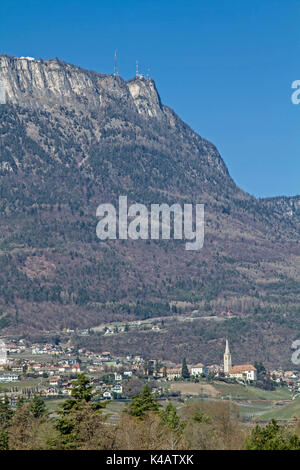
285 411
252 393
53 405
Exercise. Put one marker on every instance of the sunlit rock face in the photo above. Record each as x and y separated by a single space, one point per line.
39 83
146 97
50 82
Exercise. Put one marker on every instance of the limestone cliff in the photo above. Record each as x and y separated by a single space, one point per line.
109 103
48 82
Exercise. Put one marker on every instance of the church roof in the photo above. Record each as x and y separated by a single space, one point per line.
241 368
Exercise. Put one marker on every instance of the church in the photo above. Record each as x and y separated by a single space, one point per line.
244 371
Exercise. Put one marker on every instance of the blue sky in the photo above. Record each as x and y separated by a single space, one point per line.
225 67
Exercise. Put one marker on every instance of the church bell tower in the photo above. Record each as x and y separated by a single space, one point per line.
227 359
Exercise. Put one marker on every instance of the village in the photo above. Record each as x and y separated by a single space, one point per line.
49 370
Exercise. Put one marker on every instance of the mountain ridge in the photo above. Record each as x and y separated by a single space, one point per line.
54 86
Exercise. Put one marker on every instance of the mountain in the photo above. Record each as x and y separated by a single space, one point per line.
71 139
284 206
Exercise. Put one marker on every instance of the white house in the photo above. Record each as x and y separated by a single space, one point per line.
244 371
198 369
128 373
117 389
173 372
9 378
3 353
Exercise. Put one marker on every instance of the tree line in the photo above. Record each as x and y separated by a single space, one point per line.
80 423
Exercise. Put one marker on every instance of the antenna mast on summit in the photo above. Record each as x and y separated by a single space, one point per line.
137 74
115 64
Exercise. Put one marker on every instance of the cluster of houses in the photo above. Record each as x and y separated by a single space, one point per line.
7 378
197 370
53 349
242 372
290 378
56 367
248 373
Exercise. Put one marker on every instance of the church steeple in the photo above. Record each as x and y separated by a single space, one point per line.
227 359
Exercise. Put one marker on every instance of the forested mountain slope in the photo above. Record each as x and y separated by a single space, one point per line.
71 139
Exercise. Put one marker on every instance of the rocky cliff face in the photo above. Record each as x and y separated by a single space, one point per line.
71 139
146 98
39 83
113 107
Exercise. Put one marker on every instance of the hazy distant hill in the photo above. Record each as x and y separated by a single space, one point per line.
71 139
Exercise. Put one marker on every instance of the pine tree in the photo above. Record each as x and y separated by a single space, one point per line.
170 417
38 407
272 437
6 412
184 370
3 440
143 402
73 412
82 389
